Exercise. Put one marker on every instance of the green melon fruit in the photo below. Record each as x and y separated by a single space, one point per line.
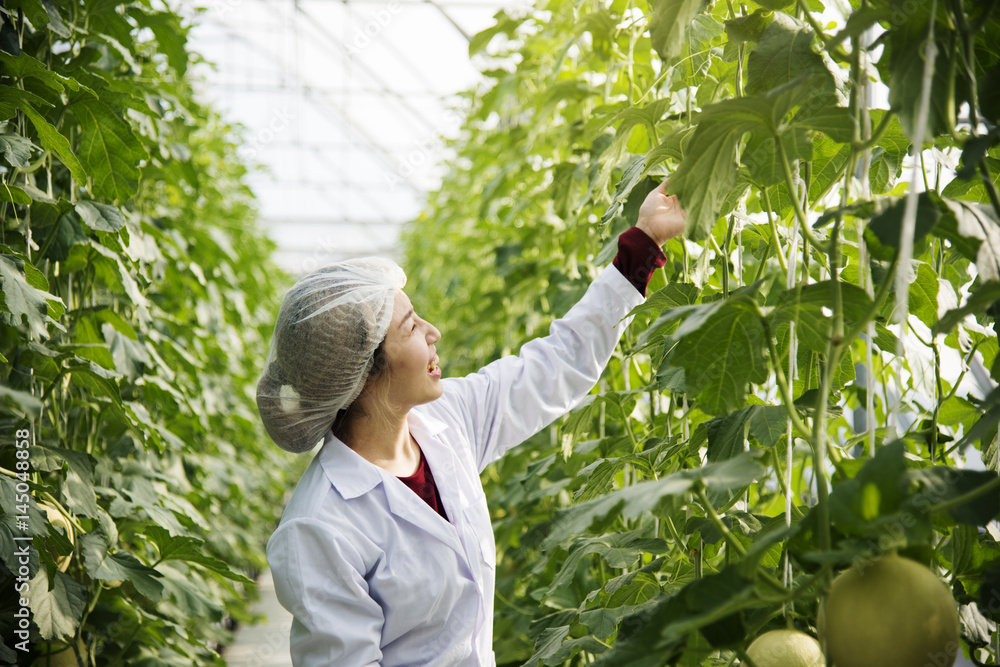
893 612
786 648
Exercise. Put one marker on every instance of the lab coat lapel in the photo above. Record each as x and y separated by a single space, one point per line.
404 504
408 507
444 465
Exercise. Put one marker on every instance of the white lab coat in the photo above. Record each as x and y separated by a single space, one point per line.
373 575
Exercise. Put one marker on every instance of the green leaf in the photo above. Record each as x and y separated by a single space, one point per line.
761 158
885 228
748 28
673 295
924 294
57 605
973 189
632 589
834 122
189 549
724 355
20 402
24 66
505 25
974 152
710 604
48 136
972 223
14 195
706 176
902 68
811 307
15 149
942 484
102 563
977 303
617 550
20 298
785 53
101 217
674 146
728 435
670 20
634 501
631 175
171 37
109 149
876 491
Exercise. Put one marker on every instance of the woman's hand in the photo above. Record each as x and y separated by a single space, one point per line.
660 216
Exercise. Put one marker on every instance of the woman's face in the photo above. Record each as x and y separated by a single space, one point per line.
414 374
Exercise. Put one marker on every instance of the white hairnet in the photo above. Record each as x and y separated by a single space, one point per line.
330 324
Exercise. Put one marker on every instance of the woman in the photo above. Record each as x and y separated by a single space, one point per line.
385 554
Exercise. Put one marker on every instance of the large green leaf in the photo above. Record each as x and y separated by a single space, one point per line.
977 304
902 69
810 306
20 298
885 229
727 435
171 36
975 226
762 160
617 550
784 53
48 136
109 148
24 66
57 604
724 355
924 294
104 562
670 20
190 550
102 217
15 149
711 604
706 176
861 504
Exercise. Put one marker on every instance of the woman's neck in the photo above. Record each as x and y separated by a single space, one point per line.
389 446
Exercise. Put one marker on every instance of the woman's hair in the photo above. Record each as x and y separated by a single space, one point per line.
377 386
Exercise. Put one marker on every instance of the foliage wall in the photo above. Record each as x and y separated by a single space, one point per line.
137 300
650 526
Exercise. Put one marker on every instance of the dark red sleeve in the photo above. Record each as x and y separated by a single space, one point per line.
422 483
638 256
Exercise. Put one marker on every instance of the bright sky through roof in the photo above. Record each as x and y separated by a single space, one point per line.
344 103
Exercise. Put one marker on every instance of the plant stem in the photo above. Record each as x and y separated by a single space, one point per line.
910 213
784 483
774 231
880 129
725 257
786 393
794 194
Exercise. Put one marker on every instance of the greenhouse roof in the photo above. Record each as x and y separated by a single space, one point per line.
345 105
